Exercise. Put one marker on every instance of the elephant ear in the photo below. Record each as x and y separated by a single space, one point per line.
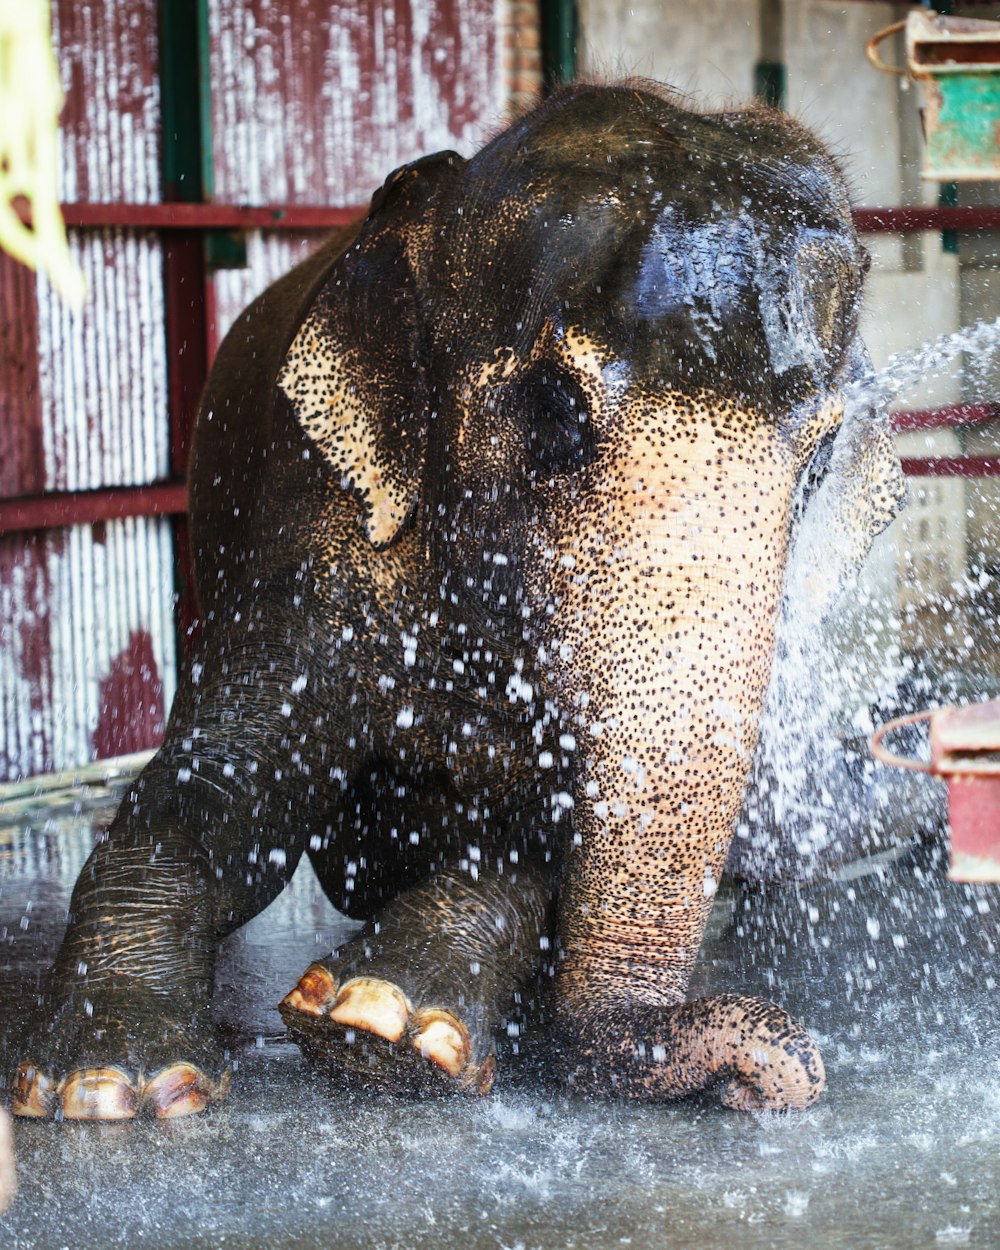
353 372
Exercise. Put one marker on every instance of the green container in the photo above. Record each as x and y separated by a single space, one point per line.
956 64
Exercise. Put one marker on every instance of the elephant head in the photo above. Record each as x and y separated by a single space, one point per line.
589 386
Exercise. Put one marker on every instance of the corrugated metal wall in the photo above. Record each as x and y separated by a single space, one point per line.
312 103
86 612
315 102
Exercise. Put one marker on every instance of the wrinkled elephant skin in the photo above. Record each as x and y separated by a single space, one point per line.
492 503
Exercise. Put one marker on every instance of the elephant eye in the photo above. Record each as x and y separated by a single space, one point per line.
815 471
558 430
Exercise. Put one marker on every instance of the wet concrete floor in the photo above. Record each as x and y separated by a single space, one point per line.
894 969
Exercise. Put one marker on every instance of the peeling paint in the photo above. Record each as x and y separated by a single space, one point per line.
131 707
315 102
70 608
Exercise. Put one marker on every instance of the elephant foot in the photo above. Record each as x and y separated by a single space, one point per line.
370 1027
759 1057
91 1065
110 1093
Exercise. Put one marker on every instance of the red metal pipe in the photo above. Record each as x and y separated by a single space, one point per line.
943 418
911 218
179 216
184 216
188 330
90 507
184 280
951 466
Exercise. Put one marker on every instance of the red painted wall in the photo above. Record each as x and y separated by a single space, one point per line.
313 102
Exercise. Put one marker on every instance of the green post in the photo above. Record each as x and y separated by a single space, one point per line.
560 42
947 191
186 103
204 67
180 100
948 198
770 83
770 78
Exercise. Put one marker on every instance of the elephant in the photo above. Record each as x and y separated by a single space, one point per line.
494 502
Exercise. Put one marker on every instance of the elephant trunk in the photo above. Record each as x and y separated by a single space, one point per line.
667 630
665 761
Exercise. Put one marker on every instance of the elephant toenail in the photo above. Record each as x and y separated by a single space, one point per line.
315 991
35 1094
180 1090
375 1006
99 1094
442 1040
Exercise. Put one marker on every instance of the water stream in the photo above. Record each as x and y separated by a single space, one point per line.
817 798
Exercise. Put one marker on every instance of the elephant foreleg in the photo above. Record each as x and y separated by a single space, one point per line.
207 838
125 1017
414 999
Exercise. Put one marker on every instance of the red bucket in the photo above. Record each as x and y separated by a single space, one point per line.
965 752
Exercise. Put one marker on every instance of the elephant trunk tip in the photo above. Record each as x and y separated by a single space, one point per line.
762 1058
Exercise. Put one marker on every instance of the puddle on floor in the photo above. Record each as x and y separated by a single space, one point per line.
894 971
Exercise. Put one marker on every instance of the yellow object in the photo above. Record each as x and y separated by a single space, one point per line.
30 100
